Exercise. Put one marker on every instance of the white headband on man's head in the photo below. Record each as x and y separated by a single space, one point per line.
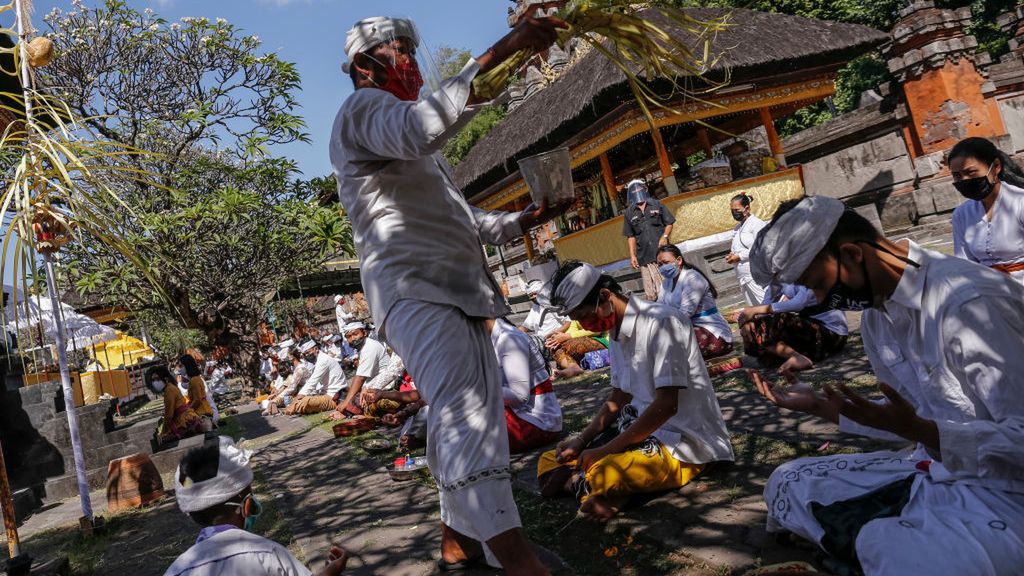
573 289
784 250
353 326
370 32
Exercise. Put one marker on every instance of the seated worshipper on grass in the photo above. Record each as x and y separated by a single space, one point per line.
532 413
280 395
389 380
570 343
945 338
373 360
988 228
540 321
689 290
321 392
661 424
198 396
180 420
791 328
213 485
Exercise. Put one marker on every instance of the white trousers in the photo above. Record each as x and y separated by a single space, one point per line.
752 291
452 360
945 528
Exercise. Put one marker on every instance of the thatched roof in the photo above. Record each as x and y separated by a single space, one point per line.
758 44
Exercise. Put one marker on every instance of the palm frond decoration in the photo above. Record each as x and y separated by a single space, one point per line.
648 41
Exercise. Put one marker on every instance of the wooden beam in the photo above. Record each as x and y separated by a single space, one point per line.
528 242
668 177
774 142
609 182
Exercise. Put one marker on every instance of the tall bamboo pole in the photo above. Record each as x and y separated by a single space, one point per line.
7 501
69 399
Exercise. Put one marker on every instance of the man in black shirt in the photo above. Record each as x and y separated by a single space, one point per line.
647 225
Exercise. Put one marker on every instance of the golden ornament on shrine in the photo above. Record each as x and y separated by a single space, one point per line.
40 51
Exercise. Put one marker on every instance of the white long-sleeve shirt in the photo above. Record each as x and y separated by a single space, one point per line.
799 297
327 377
691 294
951 341
543 322
999 240
524 373
235 551
416 235
742 242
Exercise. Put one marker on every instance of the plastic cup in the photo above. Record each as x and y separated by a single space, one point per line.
549 176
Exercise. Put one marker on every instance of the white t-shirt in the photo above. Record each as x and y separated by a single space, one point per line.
327 377
234 552
656 348
525 382
373 360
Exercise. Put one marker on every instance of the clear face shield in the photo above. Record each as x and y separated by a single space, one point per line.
392 43
636 193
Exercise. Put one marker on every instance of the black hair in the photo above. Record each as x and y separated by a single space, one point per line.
675 251
983 150
190 365
605 282
851 227
158 372
201 464
743 199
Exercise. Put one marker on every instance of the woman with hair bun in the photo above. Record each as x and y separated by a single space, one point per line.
746 232
989 227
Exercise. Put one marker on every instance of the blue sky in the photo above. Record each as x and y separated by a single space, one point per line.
311 33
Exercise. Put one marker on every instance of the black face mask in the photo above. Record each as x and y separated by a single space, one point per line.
974 188
737 215
843 297
357 343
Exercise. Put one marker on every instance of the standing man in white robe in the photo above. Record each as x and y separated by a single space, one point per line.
425 275
945 338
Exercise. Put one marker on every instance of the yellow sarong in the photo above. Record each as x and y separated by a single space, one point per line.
645 468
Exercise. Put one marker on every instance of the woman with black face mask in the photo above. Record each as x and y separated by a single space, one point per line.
746 232
989 227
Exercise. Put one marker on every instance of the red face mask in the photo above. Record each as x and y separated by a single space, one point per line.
404 80
597 323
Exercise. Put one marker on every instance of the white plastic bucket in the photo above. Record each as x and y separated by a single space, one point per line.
548 175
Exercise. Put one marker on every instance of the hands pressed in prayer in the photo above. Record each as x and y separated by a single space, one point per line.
797 396
569 449
895 414
536 215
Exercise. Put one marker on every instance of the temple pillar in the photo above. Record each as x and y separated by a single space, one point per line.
774 142
609 183
664 163
936 63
